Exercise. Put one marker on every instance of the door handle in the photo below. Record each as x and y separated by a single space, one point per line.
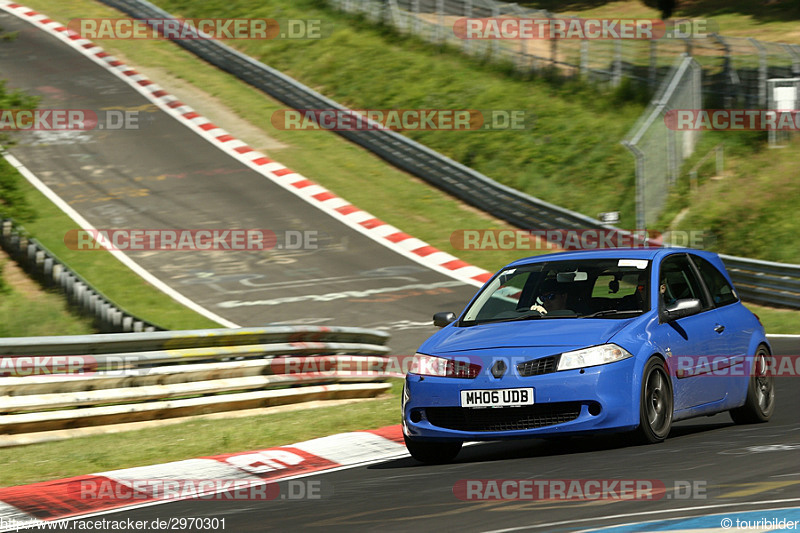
719 328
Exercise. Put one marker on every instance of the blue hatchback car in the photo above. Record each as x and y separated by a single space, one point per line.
592 341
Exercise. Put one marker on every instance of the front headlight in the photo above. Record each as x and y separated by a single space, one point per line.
429 365
593 356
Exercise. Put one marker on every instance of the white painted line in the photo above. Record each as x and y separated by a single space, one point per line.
645 513
124 259
188 469
351 448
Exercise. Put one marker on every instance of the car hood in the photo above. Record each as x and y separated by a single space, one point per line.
563 333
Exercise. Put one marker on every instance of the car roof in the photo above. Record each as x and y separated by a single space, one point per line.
614 253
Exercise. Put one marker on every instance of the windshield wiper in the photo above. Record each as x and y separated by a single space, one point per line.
606 312
524 317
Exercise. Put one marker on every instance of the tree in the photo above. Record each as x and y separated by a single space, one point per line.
667 7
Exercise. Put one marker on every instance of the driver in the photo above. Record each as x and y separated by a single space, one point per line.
552 297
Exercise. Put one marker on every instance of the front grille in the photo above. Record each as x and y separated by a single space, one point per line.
537 367
503 418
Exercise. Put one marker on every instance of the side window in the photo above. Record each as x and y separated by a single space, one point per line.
677 281
721 291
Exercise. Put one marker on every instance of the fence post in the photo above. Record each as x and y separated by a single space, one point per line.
467 14
762 72
697 103
794 51
585 58
673 164
495 42
728 72
640 183
440 33
389 14
652 73
415 25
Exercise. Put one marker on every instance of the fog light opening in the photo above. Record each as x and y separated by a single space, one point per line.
594 409
416 416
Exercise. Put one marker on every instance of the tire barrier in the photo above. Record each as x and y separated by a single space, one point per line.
53 273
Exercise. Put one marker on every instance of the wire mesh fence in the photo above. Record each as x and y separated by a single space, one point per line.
659 150
682 67
735 70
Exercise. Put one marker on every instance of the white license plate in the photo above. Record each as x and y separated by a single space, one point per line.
496 397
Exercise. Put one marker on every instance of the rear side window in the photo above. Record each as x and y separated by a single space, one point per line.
721 291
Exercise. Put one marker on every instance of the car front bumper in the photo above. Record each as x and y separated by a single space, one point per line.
595 399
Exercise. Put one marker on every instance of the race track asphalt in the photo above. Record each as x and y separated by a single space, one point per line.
162 175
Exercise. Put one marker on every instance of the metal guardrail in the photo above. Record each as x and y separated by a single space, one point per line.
49 270
67 382
765 282
463 182
176 340
468 185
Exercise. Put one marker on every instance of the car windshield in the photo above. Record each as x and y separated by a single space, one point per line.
586 288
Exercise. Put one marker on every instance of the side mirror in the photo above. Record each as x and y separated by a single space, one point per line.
682 308
443 318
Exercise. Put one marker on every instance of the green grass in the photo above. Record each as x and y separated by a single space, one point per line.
750 211
776 321
28 311
186 440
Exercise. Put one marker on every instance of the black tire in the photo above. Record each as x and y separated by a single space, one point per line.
656 403
760 402
432 452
